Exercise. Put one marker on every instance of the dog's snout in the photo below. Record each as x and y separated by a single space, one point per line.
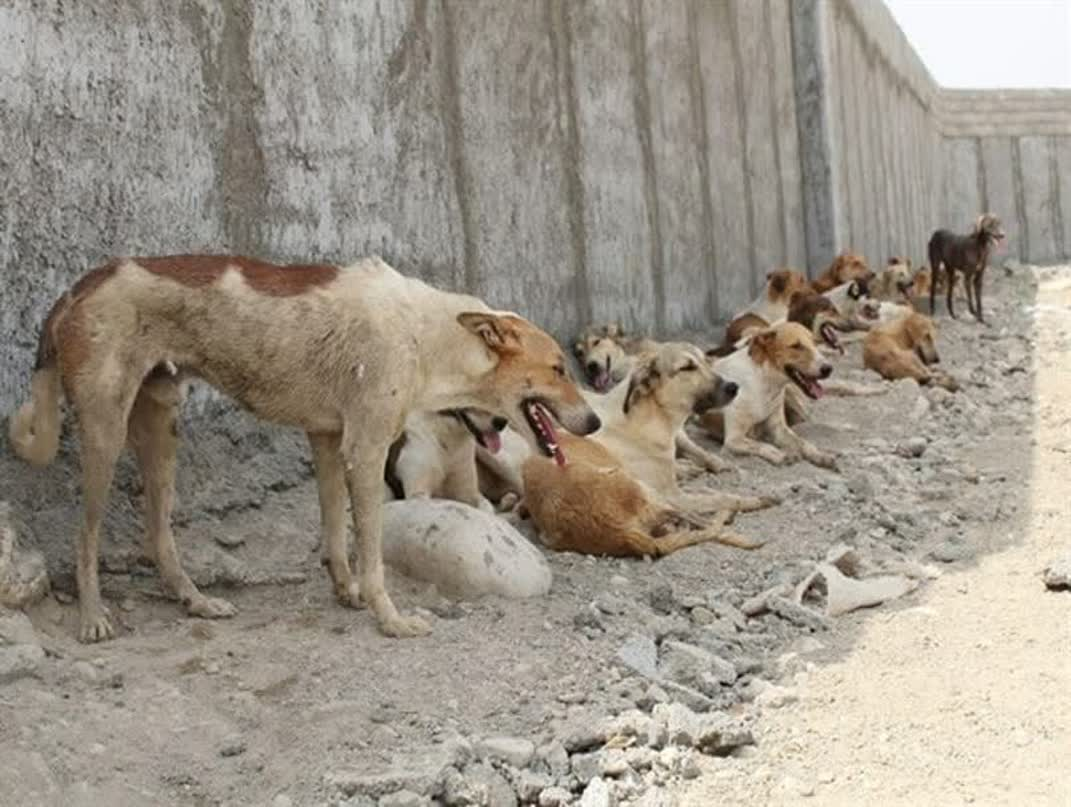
593 367
499 423
936 358
825 371
729 389
591 423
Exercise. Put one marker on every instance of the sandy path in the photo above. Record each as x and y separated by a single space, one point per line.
965 699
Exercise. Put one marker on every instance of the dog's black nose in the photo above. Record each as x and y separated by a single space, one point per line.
729 389
936 359
825 371
593 367
499 423
591 423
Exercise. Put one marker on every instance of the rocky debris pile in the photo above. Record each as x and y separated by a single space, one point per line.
23 577
628 759
20 652
1057 575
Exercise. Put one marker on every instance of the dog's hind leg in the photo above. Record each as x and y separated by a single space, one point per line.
978 296
153 435
723 502
950 285
331 486
716 532
102 419
738 442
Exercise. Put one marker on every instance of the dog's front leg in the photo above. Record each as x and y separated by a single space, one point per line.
738 442
364 463
978 296
722 502
794 445
687 447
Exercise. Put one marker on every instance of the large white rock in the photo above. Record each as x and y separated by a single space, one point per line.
465 552
23 577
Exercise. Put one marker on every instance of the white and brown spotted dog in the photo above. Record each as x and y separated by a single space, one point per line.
771 305
436 455
343 353
615 492
773 359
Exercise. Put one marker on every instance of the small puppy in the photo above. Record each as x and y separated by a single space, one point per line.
774 358
905 348
968 254
436 455
846 267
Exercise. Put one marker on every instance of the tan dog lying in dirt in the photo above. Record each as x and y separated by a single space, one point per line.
607 356
845 268
905 348
895 282
774 358
436 455
616 493
343 353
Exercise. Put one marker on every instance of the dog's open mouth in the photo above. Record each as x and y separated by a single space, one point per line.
542 425
488 438
829 335
600 377
810 386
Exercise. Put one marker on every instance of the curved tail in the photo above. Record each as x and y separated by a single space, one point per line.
35 428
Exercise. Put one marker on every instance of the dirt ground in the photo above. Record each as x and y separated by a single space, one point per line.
296 692
961 698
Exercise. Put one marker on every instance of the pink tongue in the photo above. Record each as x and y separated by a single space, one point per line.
492 441
602 381
548 427
816 389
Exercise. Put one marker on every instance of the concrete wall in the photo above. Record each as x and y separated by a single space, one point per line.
1009 152
641 160
632 159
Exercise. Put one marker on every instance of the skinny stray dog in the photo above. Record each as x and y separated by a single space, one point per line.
599 502
845 268
771 305
968 254
343 353
436 455
905 348
774 358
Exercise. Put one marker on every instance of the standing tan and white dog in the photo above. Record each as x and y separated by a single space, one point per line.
343 353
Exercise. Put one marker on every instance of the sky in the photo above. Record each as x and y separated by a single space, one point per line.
990 43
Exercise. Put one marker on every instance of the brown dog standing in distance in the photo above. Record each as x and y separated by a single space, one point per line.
343 353
968 254
846 267
905 348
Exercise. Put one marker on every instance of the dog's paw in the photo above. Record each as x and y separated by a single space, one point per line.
769 501
350 595
95 626
404 627
210 607
823 460
508 502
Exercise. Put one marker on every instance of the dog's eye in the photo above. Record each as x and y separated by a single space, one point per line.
559 370
797 346
596 343
689 367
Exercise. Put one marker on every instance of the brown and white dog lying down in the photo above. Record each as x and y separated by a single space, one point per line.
606 356
770 306
436 455
343 353
845 268
905 348
773 359
812 310
968 254
615 492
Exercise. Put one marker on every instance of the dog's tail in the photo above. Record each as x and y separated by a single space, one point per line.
35 428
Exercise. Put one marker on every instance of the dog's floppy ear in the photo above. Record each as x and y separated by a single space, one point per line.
641 382
497 332
762 343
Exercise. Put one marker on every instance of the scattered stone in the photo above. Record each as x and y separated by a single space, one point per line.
460 792
555 758
611 604
951 552
719 735
597 794
499 791
582 737
661 598
798 614
1057 575
694 666
634 726
655 797
759 604
773 696
282 800
588 619
529 785
404 798
640 655
229 540
555 797
586 767
232 747
691 698
515 751
420 772
465 552
20 652
23 576
703 615
913 447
